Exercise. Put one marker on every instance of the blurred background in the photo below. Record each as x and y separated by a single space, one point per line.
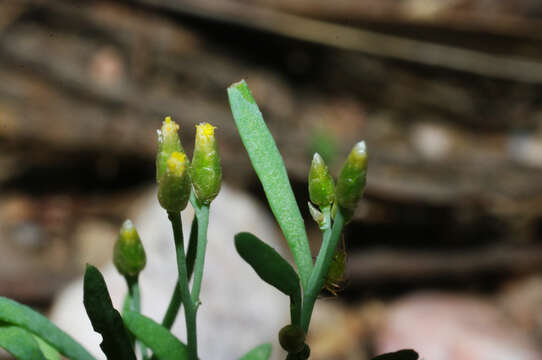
445 251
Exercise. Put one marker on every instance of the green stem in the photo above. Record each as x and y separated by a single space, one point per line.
189 308
175 301
202 213
295 309
133 292
133 303
321 267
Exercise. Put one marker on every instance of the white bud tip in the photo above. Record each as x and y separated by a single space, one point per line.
360 148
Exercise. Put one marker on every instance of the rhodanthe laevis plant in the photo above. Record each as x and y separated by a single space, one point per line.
27 335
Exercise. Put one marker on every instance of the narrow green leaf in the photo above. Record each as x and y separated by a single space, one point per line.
105 320
163 344
17 314
260 352
19 343
406 354
47 350
267 263
269 167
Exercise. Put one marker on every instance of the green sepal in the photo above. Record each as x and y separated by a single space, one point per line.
116 342
128 255
260 352
163 344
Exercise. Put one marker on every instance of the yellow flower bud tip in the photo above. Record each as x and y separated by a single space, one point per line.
317 160
128 230
359 151
205 131
169 126
176 164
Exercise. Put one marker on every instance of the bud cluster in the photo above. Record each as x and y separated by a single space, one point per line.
349 189
174 173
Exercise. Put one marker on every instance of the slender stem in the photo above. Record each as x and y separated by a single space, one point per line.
173 307
202 214
133 292
295 309
321 267
175 301
189 309
132 302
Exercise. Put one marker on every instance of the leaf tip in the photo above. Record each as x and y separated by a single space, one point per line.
242 87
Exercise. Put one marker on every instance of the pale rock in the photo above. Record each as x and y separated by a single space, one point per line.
432 141
453 327
238 310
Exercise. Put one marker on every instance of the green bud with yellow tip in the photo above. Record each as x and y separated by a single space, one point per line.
128 255
351 181
206 172
168 142
174 185
321 186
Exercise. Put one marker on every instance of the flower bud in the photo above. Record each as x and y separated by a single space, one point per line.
128 255
168 142
351 181
321 187
174 185
206 172
292 338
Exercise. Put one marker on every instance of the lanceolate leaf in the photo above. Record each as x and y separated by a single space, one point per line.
47 350
406 354
267 263
14 313
19 343
261 352
105 320
163 344
269 167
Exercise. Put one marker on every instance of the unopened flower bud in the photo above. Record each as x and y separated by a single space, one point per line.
292 338
206 172
168 142
351 181
128 255
174 185
321 187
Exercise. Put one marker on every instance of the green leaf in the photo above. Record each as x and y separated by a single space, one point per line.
163 344
105 320
267 263
260 352
269 167
17 314
406 354
19 343
47 350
